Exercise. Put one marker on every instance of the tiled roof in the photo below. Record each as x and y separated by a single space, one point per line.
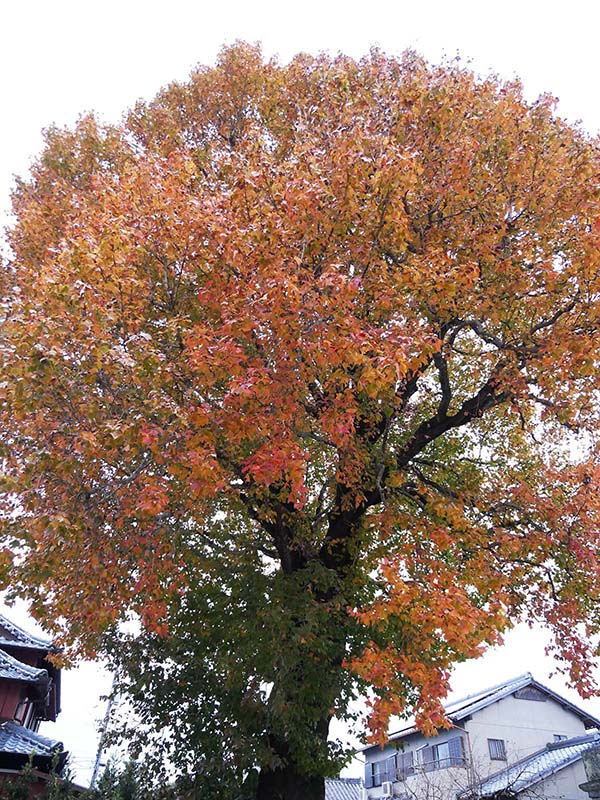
13 635
11 669
535 768
465 706
342 788
21 741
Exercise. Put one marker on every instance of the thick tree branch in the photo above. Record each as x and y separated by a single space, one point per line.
487 397
291 558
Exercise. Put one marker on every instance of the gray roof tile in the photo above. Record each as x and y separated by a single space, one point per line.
12 669
19 740
13 635
533 769
342 788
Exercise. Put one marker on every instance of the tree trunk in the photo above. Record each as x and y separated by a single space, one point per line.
287 782
313 683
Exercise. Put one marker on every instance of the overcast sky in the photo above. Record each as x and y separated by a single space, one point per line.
59 58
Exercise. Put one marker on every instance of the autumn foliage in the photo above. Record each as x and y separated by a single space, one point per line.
308 354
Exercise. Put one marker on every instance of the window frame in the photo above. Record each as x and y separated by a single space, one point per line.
497 749
443 755
405 764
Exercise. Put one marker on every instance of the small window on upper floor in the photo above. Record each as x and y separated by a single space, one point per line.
21 711
497 749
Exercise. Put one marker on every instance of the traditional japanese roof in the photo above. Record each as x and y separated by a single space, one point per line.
17 740
23 658
12 669
464 707
12 635
535 768
342 788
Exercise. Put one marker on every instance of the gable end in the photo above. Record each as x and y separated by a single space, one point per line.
530 693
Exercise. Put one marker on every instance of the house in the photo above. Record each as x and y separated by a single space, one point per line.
516 739
29 694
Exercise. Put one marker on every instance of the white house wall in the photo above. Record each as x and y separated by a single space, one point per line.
525 725
441 784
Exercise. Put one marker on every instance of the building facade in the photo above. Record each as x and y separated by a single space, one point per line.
29 694
512 740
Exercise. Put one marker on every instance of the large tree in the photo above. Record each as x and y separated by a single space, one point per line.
301 372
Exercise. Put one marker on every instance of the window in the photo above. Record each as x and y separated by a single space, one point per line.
456 752
369 774
379 772
376 772
497 749
21 711
443 755
404 765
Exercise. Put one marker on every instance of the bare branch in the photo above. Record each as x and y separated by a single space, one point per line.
442 368
433 428
443 490
547 323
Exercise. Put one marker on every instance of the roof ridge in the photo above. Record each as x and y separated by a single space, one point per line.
30 673
573 741
459 709
491 689
566 702
22 636
482 693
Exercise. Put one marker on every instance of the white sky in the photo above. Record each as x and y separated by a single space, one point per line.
59 58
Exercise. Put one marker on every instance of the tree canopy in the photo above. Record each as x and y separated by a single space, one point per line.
300 371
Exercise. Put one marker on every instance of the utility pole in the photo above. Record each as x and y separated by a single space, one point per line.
103 729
